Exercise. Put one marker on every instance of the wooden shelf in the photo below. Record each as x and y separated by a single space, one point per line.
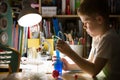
72 16
117 16
61 16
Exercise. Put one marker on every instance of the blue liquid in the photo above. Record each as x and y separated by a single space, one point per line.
58 64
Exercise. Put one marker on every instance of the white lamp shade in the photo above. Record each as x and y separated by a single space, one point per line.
29 20
28 16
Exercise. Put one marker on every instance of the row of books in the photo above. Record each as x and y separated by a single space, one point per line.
20 36
63 6
62 28
115 22
70 6
114 6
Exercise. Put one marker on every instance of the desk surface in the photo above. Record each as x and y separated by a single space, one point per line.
42 76
35 71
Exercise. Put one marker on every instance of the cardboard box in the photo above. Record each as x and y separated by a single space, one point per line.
49 11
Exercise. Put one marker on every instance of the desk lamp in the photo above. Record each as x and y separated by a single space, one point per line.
28 16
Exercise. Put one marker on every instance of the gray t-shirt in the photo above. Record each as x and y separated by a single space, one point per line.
108 47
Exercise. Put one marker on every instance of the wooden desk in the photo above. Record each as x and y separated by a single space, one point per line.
42 76
34 72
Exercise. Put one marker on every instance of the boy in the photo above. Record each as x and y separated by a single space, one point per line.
105 52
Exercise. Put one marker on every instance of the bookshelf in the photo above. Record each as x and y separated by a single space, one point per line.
65 19
114 16
75 18
61 16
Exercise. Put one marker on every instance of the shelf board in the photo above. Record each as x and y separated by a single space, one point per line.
61 16
117 16
71 16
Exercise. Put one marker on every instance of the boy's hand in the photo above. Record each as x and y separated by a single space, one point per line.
65 62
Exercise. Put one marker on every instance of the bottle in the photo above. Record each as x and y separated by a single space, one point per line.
58 64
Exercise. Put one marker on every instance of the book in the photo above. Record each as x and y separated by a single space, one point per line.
47 3
80 24
56 26
77 4
63 6
72 6
117 6
68 12
59 6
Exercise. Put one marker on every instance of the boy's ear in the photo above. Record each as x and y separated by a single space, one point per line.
99 19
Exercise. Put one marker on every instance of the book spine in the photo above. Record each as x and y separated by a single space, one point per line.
63 6
56 26
77 4
40 11
80 28
117 6
59 7
68 12
72 6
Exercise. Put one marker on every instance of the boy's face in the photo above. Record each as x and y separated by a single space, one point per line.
91 25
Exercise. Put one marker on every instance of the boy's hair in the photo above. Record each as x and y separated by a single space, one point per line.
92 7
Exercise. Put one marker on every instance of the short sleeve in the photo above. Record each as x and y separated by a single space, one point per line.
104 49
